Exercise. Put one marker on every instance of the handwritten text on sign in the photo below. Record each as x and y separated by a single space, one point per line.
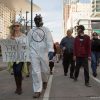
13 50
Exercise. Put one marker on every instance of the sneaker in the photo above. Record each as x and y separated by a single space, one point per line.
87 84
36 95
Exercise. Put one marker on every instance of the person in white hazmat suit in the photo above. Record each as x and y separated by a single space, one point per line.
41 48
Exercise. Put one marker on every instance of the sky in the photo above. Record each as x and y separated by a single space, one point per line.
51 11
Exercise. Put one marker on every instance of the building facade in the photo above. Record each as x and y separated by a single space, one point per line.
67 4
7 15
78 11
8 11
95 5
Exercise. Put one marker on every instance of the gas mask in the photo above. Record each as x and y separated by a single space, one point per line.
38 20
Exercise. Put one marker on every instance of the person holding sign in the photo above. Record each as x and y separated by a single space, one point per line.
41 45
17 66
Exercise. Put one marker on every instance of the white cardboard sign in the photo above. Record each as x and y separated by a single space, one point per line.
13 50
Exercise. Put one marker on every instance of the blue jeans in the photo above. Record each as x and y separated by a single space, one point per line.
94 61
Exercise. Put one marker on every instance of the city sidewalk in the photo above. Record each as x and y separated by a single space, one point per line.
3 65
65 88
7 87
62 87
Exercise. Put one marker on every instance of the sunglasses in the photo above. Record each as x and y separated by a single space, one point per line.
16 26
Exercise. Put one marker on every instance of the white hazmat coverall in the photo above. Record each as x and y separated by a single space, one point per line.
40 43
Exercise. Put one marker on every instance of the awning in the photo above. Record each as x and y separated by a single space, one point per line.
97 30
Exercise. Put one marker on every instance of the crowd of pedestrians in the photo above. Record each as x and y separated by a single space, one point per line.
41 51
79 51
75 52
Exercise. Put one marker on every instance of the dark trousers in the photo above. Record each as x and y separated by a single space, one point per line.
51 65
68 60
82 61
17 69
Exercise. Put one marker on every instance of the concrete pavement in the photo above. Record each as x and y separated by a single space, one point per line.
3 65
62 87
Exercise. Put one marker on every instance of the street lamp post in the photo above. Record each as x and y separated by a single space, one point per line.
31 14
26 21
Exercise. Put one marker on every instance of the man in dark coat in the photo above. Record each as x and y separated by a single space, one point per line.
82 53
67 44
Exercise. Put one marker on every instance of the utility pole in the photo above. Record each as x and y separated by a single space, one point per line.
31 14
26 21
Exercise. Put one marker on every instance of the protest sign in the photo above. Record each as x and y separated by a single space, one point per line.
14 50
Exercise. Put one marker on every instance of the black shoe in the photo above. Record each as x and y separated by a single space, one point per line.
36 95
95 74
51 73
12 73
44 85
28 75
65 74
87 84
72 77
75 79
18 91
